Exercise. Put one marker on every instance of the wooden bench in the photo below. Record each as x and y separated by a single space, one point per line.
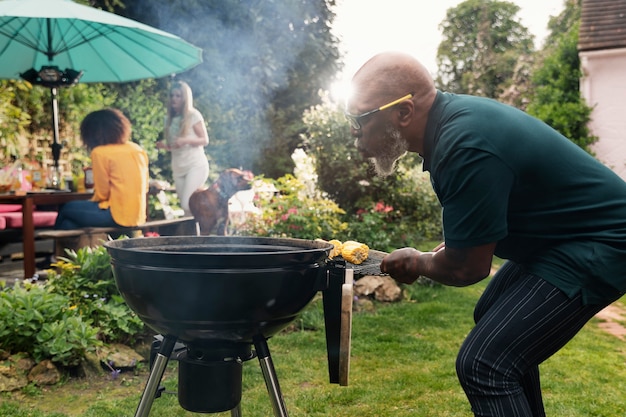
94 236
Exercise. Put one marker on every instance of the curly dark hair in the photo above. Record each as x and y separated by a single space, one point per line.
103 127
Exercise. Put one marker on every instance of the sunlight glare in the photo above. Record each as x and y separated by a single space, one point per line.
340 91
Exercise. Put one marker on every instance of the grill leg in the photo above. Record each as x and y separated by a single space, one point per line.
269 374
154 379
236 412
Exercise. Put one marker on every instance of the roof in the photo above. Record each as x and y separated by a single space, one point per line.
603 25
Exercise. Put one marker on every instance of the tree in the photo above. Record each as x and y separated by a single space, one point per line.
563 22
482 40
264 63
555 96
13 121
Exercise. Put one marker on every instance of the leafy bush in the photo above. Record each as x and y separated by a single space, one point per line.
65 341
75 311
85 277
83 274
116 321
556 97
411 214
292 213
44 325
373 226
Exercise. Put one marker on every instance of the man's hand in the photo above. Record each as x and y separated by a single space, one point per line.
401 265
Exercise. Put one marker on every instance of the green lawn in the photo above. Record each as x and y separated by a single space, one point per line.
402 364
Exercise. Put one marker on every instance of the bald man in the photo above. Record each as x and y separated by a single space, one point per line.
510 186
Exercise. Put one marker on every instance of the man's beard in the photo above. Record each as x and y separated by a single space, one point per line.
395 148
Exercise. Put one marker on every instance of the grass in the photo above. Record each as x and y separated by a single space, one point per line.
402 364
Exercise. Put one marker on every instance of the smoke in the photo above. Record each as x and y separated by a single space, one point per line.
249 48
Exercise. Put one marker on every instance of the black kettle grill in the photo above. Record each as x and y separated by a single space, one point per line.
220 296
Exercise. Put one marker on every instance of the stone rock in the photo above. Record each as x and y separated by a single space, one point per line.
119 356
367 285
13 371
44 373
23 364
12 381
388 291
381 288
89 366
6 370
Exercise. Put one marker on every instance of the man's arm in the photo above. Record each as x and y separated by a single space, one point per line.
449 266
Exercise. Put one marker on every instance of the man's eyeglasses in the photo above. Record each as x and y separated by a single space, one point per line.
355 119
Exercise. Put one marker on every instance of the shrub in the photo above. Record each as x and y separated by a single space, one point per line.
66 341
116 321
44 325
83 273
417 212
409 214
374 226
292 213
85 277
74 312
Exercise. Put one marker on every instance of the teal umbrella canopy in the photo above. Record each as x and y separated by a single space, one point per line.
103 46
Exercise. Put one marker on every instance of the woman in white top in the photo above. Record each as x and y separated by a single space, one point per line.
185 136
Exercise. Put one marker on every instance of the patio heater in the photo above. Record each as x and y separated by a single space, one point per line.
53 78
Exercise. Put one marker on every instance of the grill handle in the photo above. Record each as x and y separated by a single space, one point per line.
337 323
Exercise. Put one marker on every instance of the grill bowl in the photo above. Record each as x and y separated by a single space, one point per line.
215 289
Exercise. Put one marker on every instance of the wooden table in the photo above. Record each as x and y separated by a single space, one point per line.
28 202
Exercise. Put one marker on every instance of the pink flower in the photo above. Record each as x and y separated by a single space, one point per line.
381 207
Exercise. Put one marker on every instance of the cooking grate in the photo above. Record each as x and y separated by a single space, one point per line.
371 266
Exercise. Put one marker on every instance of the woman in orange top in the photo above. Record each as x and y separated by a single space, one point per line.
120 174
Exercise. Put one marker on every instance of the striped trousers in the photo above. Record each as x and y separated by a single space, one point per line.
521 320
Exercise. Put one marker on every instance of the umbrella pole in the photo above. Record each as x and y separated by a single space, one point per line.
56 146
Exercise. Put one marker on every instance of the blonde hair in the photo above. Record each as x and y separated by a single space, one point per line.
185 124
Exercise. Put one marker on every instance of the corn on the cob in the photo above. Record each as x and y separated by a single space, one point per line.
354 252
336 251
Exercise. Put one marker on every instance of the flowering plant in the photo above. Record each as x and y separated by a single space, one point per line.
374 225
291 212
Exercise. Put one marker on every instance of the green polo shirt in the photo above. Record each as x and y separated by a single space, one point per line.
503 176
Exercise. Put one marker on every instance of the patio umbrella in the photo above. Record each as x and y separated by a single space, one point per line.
56 43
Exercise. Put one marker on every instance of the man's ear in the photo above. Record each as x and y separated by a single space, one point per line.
405 113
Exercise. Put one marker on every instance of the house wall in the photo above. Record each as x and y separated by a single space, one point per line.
604 87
